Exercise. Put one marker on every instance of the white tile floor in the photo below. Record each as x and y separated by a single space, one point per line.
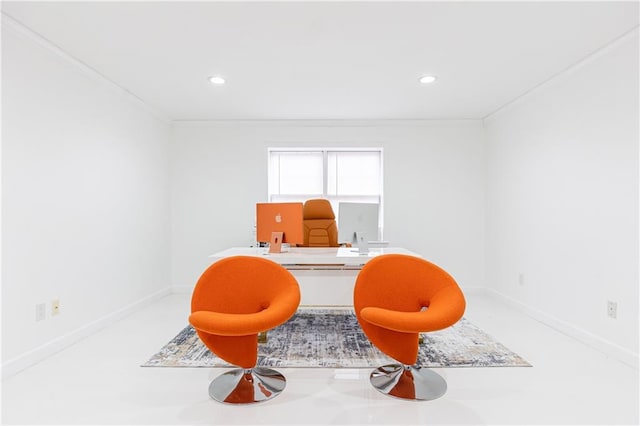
99 381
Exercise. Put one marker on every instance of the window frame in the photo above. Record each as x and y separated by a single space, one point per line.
334 199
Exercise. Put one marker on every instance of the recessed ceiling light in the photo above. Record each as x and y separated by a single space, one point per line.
426 79
216 79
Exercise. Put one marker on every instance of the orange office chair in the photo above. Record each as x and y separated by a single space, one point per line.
320 229
235 299
395 298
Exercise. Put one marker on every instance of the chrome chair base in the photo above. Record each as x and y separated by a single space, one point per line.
248 386
408 382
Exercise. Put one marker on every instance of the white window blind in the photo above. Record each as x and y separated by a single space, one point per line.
294 173
356 173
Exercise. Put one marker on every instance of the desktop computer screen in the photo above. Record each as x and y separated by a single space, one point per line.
279 217
356 221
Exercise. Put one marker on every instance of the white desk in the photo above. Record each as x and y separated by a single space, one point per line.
326 275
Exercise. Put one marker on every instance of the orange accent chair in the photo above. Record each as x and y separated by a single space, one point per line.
234 300
395 298
320 229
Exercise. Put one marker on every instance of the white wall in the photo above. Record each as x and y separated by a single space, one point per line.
433 187
85 199
563 199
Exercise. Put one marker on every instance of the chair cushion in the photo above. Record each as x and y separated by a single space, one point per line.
238 297
318 209
398 296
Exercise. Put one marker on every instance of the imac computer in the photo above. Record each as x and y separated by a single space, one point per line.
358 224
278 223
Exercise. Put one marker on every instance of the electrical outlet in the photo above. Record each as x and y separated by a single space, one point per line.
41 311
55 307
521 279
612 309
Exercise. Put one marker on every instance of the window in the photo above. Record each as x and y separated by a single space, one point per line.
337 174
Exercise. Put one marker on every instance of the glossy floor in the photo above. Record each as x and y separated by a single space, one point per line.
99 381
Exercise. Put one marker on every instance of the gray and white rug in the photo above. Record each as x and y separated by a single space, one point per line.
332 338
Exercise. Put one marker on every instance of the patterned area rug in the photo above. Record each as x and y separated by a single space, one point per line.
333 338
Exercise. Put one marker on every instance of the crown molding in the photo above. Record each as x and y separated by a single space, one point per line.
629 35
331 123
20 29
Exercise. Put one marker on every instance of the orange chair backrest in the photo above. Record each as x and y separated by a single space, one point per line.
244 285
403 283
320 229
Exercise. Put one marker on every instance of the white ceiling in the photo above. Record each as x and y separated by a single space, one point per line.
327 60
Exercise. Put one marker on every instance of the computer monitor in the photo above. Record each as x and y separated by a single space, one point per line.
358 223
279 217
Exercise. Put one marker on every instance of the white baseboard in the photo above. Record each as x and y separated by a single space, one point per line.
608 348
34 356
475 290
181 289
38 354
